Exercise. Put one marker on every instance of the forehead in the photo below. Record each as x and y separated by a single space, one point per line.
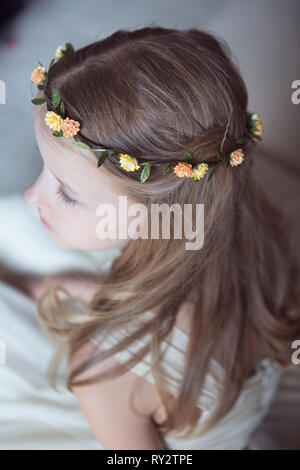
47 140
75 166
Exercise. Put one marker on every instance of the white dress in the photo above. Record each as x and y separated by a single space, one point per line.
235 429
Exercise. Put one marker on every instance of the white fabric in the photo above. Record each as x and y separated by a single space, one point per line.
235 429
33 416
26 245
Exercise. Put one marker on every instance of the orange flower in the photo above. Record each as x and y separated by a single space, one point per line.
38 75
70 127
258 131
183 169
236 157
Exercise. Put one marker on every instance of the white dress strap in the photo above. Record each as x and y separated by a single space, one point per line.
173 355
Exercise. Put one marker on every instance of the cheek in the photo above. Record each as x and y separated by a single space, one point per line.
77 229
75 224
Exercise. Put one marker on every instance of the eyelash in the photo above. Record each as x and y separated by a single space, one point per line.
60 192
64 196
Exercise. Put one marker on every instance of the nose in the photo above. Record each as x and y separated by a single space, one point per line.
37 195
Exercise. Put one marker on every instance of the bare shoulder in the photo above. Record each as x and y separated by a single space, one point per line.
107 403
146 397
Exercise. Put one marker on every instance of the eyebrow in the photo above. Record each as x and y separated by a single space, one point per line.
65 185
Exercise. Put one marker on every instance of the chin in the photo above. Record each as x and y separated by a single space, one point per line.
62 242
90 245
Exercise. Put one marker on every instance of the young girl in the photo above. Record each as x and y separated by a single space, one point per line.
173 348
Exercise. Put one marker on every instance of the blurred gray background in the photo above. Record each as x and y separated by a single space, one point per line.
264 38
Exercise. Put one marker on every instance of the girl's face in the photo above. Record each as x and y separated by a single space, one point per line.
69 190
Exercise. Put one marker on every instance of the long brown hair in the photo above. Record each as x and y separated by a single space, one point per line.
155 93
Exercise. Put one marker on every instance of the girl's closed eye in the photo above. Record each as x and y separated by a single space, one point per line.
64 196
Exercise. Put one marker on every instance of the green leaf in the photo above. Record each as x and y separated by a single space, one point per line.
241 140
213 169
52 61
62 108
115 154
168 169
221 155
146 163
38 100
58 133
212 172
102 158
119 164
56 98
69 47
188 156
257 137
82 145
41 86
145 173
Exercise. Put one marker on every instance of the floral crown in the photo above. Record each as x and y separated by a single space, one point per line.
65 127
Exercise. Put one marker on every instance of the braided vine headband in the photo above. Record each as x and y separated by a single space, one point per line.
65 127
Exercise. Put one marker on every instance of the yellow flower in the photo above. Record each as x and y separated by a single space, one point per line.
53 120
257 126
128 163
38 74
199 170
256 117
59 51
236 157
183 169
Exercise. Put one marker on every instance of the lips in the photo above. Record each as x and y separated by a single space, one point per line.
47 225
